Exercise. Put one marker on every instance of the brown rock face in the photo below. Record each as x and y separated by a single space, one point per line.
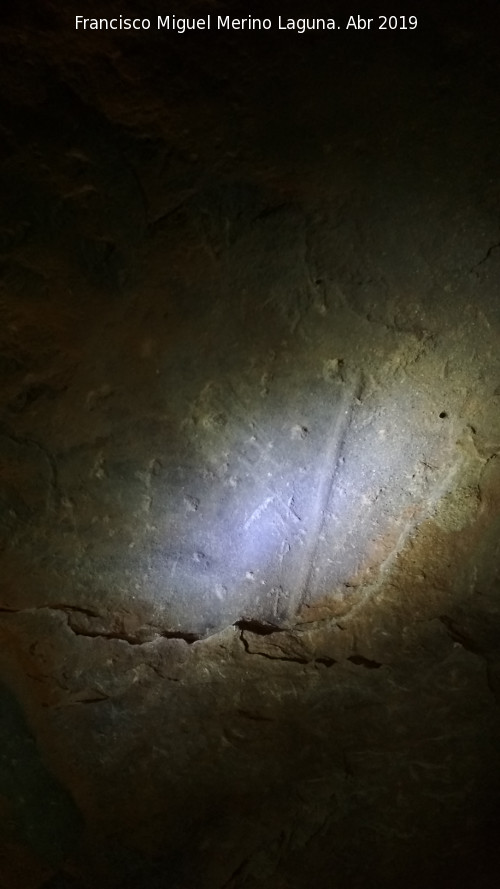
249 451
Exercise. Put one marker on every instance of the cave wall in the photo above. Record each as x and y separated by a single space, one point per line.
250 486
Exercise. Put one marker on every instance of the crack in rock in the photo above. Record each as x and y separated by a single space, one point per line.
459 636
256 628
361 661
271 657
143 636
486 256
132 639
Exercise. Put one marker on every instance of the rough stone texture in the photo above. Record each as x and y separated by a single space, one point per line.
250 473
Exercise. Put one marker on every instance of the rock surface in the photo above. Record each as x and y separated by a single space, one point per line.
250 456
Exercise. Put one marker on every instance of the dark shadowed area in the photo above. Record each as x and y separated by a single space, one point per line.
250 448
